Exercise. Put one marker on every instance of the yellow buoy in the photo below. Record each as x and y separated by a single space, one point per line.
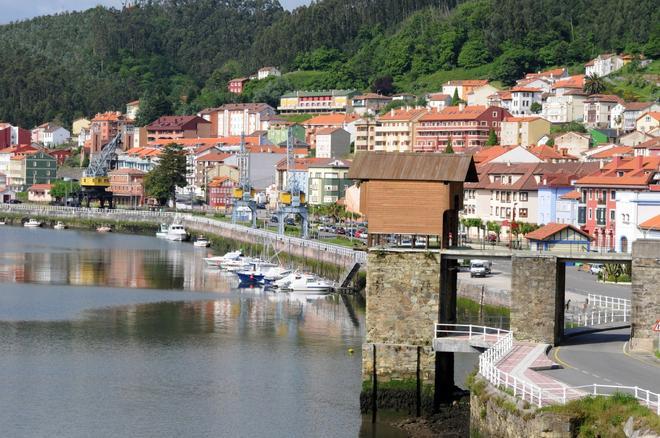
350 351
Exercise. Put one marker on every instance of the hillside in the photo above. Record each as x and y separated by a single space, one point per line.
181 53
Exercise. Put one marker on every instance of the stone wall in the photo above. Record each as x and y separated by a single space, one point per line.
402 294
537 297
645 294
496 414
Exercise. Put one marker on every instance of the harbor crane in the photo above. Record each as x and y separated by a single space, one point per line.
292 200
244 194
95 180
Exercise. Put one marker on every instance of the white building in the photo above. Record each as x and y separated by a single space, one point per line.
265 72
604 64
564 108
635 212
625 114
332 143
598 110
54 135
575 143
479 95
238 118
437 101
522 99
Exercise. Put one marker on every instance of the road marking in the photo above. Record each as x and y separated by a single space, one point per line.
625 344
595 375
555 354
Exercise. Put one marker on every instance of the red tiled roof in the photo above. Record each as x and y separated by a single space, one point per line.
171 123
651 224
305 163
574 194
40 187
326 131
214 156
545 152
522 119
654 114
488 153
652 144
637 106
217 181
110 116
331 119
402 114
468 82
576 81
127 171
438 96
550 229
612 152
605 98
525 90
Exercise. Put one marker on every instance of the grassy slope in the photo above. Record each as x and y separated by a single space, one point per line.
640 85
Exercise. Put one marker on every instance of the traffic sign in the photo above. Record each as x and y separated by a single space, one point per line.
656 326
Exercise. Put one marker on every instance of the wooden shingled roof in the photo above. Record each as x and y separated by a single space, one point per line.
413 166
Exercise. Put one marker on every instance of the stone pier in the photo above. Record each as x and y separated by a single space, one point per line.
402 295
645 295
537 298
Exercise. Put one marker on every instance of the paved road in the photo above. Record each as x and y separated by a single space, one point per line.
577 281
599 358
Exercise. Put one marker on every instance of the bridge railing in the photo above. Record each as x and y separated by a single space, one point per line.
527 391
469 330
597 317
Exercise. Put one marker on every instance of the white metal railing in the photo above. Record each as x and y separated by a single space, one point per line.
597 317
469 330
605 302
534 394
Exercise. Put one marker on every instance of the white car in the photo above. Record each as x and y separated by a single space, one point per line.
596 268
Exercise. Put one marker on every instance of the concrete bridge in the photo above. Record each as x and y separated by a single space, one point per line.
409 291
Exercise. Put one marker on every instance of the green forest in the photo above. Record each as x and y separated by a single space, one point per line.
177 55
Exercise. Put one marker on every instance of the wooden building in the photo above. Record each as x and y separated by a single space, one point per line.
418 194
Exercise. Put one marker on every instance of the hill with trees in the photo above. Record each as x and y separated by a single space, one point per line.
178 55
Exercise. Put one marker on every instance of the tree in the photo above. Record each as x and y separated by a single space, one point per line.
495 228
64 189
492 138
449 149
153 104
535 107
455 100
170 173
513 64
550 142
383 85
593 84
473 54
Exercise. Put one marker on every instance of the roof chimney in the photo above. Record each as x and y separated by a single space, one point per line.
461 106
392 112
639 162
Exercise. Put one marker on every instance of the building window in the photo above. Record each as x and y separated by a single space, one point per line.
590 215
522 212
613 195
523 196
612 215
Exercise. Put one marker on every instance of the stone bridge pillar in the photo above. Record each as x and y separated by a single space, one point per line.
537 298
403 301
645 295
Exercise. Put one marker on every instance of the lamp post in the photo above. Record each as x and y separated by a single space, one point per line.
512 224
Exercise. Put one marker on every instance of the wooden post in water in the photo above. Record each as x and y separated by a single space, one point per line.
374 388
419 383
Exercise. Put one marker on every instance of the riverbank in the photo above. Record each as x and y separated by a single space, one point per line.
327 260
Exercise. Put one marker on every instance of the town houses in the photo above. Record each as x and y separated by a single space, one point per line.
547 151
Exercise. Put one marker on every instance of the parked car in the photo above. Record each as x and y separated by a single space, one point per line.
596 268
274 219
289 221
340 230
480 268
14 201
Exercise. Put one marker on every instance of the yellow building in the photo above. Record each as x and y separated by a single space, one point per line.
395 131
648 122
80 124
523 131
325 101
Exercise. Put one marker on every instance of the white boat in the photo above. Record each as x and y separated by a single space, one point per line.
285 281
275 273
218 260
310 284
59 226
2 222
162 233
177 233
104 229
32 223
202 242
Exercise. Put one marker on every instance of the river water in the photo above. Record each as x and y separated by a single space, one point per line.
108 335
119 335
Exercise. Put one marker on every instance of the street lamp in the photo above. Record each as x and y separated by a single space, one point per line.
512 224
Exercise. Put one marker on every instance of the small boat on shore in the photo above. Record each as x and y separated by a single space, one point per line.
202 242
104 229
32 223
59 226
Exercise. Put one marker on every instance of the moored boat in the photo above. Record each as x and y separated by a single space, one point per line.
202 242
104 229
162 233
310 284
32 223
217 261
59 225
177 232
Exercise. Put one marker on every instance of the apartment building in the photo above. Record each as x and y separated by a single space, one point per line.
395 131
